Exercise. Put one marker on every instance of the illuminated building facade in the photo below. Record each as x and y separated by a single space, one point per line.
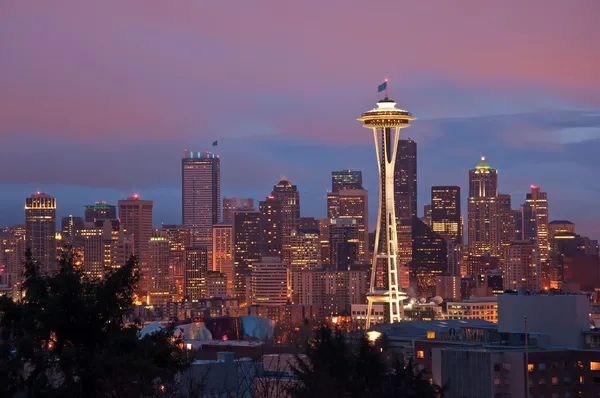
482 210
324 238
91 241
269 282
68 228
386 121
233 204
289 197
216 284
100 211
12 255
522 269
179 237
538 201
346 179
201 194
196 269
40 226
246 248
223 253
352 204
160 281
136 217
305 249
445 212
271 227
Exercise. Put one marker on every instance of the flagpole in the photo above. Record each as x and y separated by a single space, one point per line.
386 88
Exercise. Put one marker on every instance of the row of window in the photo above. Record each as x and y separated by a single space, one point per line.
564 365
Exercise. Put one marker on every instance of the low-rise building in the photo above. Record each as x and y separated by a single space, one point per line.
485 308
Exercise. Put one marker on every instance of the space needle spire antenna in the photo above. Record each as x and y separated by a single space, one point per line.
386 121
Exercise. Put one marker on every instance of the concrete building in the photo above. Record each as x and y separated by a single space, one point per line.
216 284
270 227
352 204
269 282
160 282
179 237
289 196
196 269
305 249
344 242
223 253
246 248
522 269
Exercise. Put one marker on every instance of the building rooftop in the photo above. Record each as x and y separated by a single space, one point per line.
561 222
482 165
422 327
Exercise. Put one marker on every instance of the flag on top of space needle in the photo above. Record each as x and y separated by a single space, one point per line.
382 86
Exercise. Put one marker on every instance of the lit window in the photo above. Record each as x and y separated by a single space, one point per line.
431 335
530 367
555 381
420 354
594 365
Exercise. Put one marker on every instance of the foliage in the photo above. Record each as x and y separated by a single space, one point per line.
68 337
334 368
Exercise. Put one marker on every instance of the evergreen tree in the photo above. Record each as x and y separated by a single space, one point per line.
69 337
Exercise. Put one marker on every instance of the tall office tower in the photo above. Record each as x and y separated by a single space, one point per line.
305 249
223 253
69 226
308 223
201 194
352 204
270 227
136 217
196 269
527 223
269 282
346 179
522 269
179 238
324 238
246 248
160 284
538 201
118 243
427 210
445 212
556 227
91 241
429 258
12 255
289 197
506 221
482 210
100 211
344 239
40 225
397 180
233 204
405 179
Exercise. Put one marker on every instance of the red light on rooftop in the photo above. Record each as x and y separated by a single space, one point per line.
136 196
534 186
225 337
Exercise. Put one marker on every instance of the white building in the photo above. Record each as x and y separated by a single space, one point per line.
485 308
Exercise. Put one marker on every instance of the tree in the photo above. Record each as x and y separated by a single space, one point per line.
68 336
334 368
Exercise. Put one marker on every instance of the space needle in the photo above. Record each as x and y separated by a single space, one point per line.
386 121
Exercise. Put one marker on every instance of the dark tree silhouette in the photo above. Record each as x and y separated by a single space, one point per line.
68 337
333 368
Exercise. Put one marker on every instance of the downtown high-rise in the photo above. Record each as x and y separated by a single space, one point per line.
446 217
136 218
482 210
346 179
405 179
289 196
201 194
40 226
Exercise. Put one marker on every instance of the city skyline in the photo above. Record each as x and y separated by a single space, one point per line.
535 128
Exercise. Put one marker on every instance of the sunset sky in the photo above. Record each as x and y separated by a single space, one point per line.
100 99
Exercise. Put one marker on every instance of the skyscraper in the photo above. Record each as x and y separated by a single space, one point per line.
482 210
179 238
271 227
429 259
305 249
160 281
246 248
233 204
352 204
223 253
405 179
506 221
344 239
289 197
445 212
346 179
91 240
522 269
100 211
269 282
12 255
69 226
538 201
196 269
386 121
40 225
201 194
136 217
